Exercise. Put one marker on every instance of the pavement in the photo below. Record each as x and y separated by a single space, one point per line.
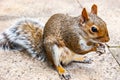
16 65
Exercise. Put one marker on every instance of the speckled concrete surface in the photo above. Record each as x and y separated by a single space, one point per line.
19 66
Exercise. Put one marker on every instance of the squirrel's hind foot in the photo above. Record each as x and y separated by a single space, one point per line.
64 75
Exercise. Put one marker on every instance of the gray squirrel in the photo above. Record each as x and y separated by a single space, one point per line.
62 38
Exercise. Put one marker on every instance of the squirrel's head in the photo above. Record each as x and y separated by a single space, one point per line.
93 26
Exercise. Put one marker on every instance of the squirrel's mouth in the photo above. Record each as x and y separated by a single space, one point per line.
98 41
95 41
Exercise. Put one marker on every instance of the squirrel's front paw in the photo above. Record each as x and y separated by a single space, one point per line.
101 49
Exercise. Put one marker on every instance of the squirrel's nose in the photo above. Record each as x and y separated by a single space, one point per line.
107 38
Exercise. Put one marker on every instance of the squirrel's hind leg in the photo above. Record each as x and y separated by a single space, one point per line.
53 54
56 58
80 59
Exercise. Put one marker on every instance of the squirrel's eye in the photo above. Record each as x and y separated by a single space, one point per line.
94 29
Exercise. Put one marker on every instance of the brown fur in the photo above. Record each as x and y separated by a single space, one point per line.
70 30
33 32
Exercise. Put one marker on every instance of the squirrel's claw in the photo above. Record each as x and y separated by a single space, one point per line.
65 76
89 61
101 49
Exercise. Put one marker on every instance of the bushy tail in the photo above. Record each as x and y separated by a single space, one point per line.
7 44
25 35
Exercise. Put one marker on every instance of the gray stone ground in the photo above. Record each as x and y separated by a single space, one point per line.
19 66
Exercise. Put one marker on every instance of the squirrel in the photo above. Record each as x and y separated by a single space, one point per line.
61 40
66 37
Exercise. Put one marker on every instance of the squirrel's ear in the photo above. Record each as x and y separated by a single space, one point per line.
84 15
94 9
